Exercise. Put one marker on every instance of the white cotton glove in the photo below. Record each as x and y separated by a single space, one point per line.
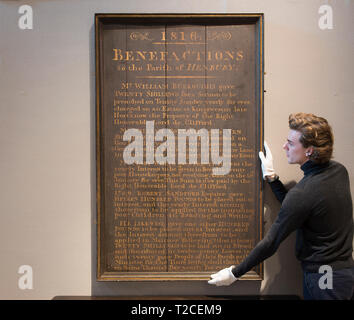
223 278
267 162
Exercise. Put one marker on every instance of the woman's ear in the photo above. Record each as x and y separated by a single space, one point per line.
309 151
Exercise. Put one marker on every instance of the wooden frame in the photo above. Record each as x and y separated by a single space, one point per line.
104 168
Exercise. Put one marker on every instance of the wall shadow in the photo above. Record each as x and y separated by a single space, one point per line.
283 271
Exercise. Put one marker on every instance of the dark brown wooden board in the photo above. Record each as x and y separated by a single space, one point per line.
179 127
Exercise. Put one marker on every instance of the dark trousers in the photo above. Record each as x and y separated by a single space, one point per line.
342 285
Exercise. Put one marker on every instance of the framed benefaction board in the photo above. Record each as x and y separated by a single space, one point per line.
179 126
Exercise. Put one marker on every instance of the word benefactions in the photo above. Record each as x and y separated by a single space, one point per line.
165 153
188 55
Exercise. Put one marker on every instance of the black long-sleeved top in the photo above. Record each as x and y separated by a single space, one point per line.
320 208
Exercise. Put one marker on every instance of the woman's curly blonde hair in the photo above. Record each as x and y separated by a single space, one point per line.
315 132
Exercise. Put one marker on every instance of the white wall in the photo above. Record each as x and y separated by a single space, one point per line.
47 133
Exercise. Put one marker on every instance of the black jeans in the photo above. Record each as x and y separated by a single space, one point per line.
342 286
